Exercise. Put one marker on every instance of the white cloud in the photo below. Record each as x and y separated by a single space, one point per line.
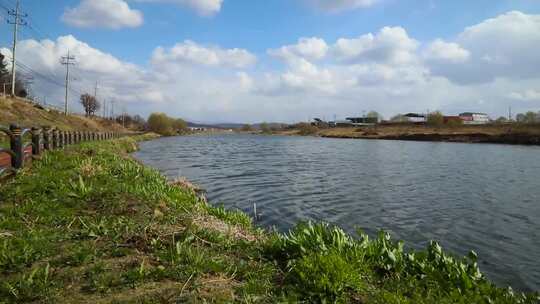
387 58
245 81
528 95
193 53
341 5
391 45
202 7
388 71
118 79
502 47
439 50
175 85
312 48
111 14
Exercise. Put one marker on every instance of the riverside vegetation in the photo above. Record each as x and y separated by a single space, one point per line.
89 224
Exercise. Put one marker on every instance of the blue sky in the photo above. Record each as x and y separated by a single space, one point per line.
261 25
277 81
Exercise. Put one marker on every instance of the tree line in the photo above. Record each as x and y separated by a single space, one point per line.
164 125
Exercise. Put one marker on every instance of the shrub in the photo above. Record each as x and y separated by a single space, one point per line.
307 129
454 123
265 128
435 119
164 125
246 128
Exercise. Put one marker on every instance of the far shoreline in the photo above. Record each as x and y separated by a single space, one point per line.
525 135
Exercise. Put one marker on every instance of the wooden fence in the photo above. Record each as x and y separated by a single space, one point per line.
25 144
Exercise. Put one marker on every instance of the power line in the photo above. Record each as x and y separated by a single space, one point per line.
51 80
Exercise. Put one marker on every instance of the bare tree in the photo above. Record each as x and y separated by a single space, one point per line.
90 104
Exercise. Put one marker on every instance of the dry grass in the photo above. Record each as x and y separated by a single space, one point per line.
396 130
236 232
27 115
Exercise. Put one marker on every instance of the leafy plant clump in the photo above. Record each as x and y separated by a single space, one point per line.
322 263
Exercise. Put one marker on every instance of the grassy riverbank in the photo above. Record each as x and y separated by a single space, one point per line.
91 225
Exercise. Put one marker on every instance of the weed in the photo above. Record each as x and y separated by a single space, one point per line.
27 287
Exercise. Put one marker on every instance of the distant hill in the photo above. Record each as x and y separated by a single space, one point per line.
215 126
232 125
271 125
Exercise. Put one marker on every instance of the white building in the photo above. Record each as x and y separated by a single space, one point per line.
470 118
415 118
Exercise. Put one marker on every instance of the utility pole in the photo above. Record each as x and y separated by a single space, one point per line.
124 117
104 109
112 109
510 113
18 21
67 61
95 93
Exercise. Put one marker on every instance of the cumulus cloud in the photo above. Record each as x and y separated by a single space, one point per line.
388 57
311 48
341 5
390 45
183 87
388 71
439 50
502 47
120 80
193 53
111 14
202 7
392 66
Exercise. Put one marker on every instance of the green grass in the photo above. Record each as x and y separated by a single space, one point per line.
90 225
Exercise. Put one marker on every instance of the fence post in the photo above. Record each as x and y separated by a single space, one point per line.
55 138
36 141
61 139
70 137
17 146
46 138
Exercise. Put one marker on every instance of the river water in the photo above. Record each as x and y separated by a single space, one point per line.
466 196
